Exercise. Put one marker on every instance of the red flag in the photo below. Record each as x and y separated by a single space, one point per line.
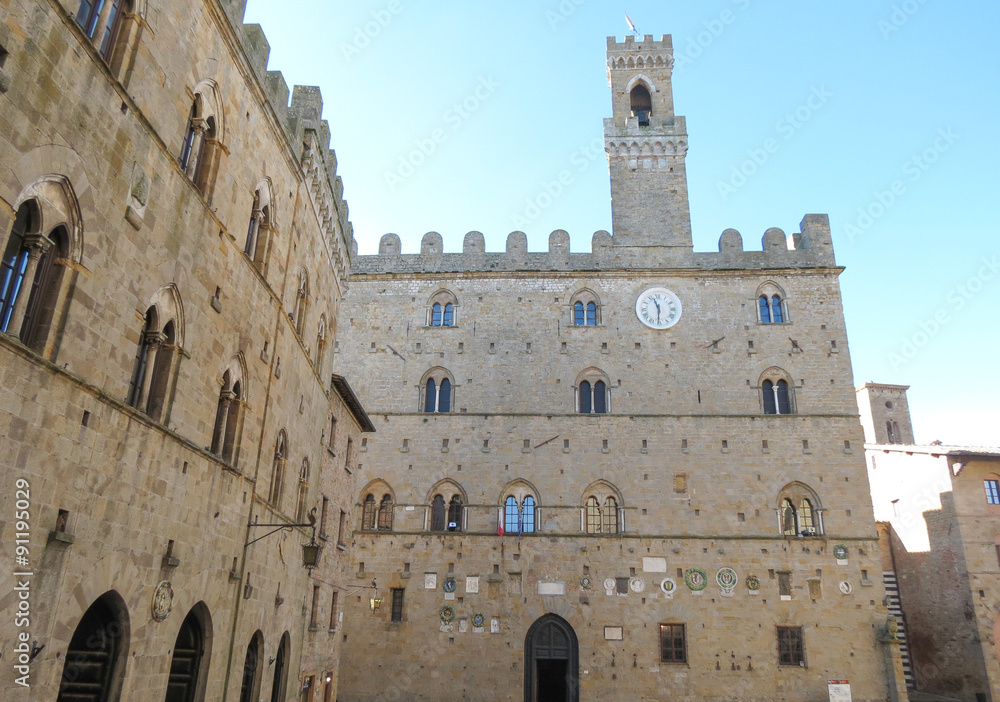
500 522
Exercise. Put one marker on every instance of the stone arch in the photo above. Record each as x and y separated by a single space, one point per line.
641 78
585 315
442 381
168 307
98 651
57 206
797 488
602 488
197 625
520 488
447 487
551 638
799 510
769 288
209 99
378 487
441 317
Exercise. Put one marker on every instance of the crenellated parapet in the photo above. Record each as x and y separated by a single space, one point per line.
308 136
811 247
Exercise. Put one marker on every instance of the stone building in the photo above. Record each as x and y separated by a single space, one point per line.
938 512
629 473
176 249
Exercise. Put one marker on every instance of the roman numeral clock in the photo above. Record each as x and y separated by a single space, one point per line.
658 308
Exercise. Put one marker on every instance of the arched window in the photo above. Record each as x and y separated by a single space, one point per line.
278 471
889 432
642 104
385 513
586 308
443 306
528 515
455 514
260 226
280 680
369 513
252 668
775 393
610 525
31 272
798 511
320 344
438 514
593 515
88 15
189 662
111 43
95 661
202 143
301 302
771 304
229 415
511 515
592 396
789 518
765 310
157 355
436 389
302 505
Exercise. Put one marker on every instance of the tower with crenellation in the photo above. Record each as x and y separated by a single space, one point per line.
646 145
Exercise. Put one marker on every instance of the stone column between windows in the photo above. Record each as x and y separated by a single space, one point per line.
37 245
218 433
777 405
251 247
437 397
102 23
198 126
153 340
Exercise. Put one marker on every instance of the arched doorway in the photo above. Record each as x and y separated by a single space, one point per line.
185 683
280 670
251 668
551 661
95 660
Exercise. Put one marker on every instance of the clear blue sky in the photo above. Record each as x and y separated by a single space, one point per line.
911 100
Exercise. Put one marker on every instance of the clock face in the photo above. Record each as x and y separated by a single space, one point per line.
658 308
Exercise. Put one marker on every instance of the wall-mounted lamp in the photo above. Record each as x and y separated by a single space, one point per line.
310 551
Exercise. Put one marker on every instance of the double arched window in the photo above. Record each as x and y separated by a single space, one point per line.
447 511
586 308
602 512
377 515
592 393
771 304
799 513
259 230
436 391
202 145
106 22
776 393
442 308
519 518
229 414
892 432
301 303
157 355
34 292
320 344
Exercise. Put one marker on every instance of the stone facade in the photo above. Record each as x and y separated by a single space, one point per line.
729 440
938 522
168 379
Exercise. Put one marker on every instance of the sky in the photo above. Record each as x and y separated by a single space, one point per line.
455 116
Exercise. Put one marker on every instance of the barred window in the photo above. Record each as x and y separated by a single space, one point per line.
368 513
673 644
790 648
397 604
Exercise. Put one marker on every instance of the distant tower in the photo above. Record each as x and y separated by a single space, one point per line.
885 414
646 145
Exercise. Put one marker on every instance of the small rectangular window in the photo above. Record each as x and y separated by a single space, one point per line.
673 643
397 604
992 492
340 528
314 610
333 611
790 648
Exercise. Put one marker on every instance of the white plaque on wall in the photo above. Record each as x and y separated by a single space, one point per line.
654 565
494 626
552 588
430 581
472 584
614 633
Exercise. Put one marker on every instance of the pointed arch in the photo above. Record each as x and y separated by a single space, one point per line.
94 666
642 78
262 225
442 309
776 391
253 668
191 655
447 500
799 510
233 398
551 638
437 390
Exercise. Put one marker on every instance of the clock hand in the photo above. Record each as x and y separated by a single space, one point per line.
657 303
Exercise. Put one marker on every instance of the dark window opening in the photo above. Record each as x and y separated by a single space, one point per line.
642 104
397 604
790 648
672 643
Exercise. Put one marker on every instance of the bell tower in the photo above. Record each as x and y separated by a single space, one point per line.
646 145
